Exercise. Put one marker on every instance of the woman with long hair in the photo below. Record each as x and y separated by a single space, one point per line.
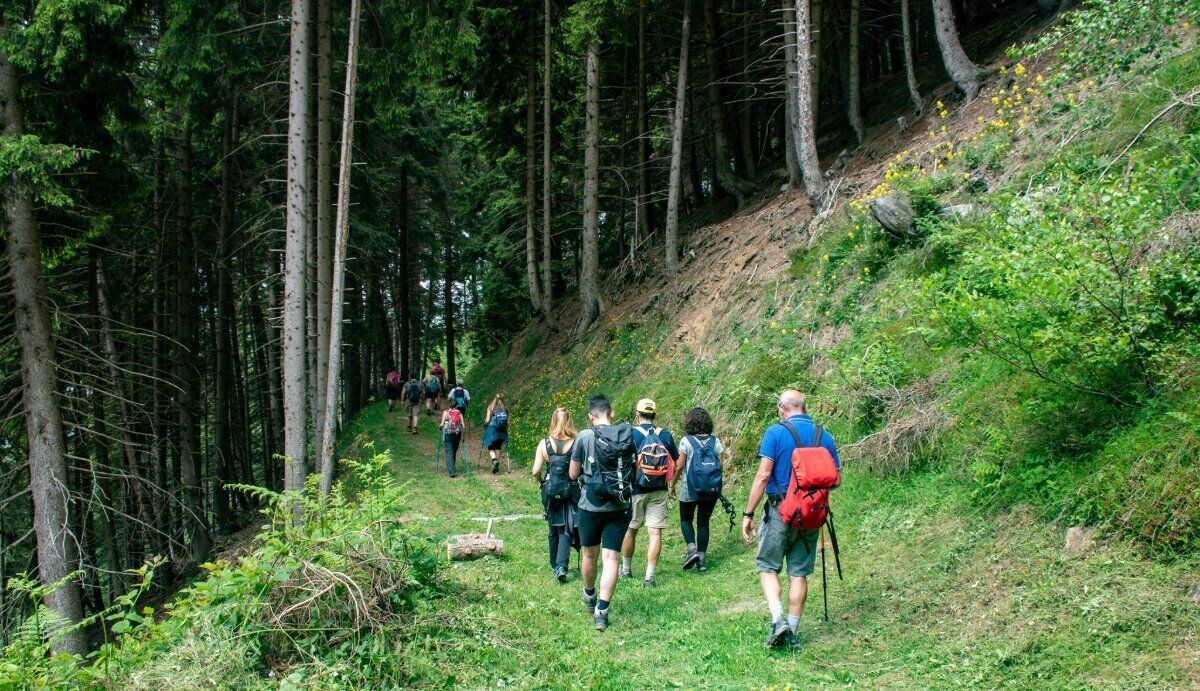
699 463
496 431
559 494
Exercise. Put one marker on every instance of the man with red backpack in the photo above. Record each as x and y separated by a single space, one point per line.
798 466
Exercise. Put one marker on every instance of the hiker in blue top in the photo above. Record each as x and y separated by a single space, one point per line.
496 432
777 542
656 450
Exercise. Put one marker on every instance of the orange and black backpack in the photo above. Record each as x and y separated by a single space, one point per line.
814 472
654 462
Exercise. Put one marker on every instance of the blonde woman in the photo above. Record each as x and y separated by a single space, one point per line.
559 494
496 431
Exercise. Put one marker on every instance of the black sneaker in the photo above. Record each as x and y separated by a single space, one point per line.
589 603
601 619
777 633
495 467
703 565
650 583
691 559
561 574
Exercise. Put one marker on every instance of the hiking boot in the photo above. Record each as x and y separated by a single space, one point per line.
495 467
626 572
650 583
589 603
777 633
703 565
690 559
561 574
793 641
601 619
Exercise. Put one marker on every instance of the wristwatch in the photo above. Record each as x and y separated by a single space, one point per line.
748 514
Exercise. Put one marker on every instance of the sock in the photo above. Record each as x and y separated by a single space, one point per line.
691 547
776 608
626 562
601 606
794 622
650 572
590 592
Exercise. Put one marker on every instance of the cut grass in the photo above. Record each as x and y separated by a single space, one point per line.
936 594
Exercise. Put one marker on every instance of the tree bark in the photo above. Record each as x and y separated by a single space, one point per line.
644 225
674 184
404 297
723 169
324 270
339 252
531 237
589 269
804 129
48 484
449 234
790 95
295 394
910 73
965 73
222 427
853 80
547 251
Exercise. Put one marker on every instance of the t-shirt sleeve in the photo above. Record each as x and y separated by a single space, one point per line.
769 448
669 442
578 450
685 448
718 446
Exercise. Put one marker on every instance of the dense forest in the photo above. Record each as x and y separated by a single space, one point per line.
224 223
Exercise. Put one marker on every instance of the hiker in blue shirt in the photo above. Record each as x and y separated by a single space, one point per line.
776 541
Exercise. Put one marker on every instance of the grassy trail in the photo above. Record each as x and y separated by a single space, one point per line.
935 595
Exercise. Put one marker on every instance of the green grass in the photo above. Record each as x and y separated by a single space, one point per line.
937 594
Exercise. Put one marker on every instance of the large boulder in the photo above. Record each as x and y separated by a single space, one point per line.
894 212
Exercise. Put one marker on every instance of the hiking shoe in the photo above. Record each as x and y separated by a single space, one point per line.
691 559
495 467
601 619
649 583
703 565
626 572
793 641
453 474
589 603
777 633
561 574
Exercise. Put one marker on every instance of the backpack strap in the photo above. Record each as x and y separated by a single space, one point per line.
795 435
818 433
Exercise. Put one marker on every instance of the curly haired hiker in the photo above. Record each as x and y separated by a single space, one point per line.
551 468
603 459
697 484
777 540
496 432
655 461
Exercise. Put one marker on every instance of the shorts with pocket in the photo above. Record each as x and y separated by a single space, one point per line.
414 408
777 542
649 509
604 528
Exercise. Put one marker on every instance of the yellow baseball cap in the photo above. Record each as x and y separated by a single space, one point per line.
645 406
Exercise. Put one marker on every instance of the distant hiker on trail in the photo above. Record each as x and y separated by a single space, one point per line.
392 384
496 432
698 483
451 428
794 514
655 463
460 395
412 399
433 394
603 457
560 496
438 372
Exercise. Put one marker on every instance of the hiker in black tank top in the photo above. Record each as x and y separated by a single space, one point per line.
551 464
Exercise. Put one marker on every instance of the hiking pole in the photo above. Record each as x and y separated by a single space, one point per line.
824 584
837 557
437 449
728 506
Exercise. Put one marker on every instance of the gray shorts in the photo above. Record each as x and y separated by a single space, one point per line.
777 542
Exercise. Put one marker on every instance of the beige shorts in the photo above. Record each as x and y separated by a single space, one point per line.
650 509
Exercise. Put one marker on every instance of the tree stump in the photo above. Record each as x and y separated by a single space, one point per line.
474 545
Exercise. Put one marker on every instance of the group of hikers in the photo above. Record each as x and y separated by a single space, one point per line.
452 423
600 486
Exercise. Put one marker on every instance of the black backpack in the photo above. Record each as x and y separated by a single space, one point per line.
612 469
557 487
413 391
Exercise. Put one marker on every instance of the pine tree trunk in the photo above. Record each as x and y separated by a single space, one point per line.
448 298
965 73
547 250
187 353
816 35
339 252
222 427
726 176
324 198
48 484
405 297
589 269
745 106
645 224
805 126
295 361
853 80
910 73
790 95
531 237
675 186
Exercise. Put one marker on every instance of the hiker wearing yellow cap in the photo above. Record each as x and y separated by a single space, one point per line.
652 476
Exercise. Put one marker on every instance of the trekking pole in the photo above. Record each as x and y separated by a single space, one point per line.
824 584
837 558
437 449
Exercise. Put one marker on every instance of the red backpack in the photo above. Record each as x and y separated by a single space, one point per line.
454 421
814 473
393 378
